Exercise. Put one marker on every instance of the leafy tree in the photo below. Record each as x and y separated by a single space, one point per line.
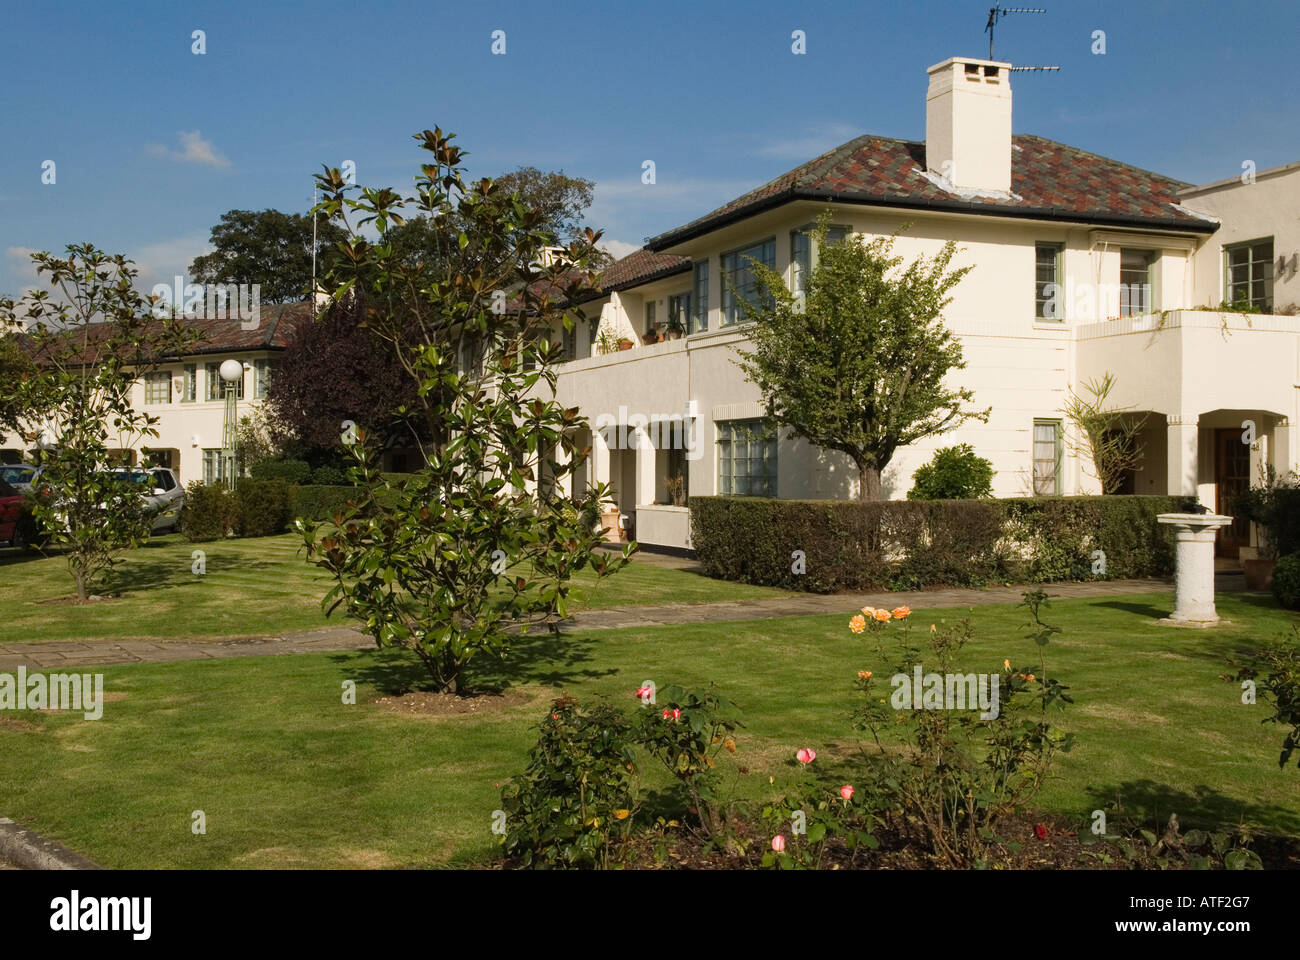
269 248
1103 435
92 339
483 539
334 370
954 473
861 368
15 365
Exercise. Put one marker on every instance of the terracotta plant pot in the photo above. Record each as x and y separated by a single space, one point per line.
1259 573
625 344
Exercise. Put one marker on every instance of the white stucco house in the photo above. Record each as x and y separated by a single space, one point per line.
1082 265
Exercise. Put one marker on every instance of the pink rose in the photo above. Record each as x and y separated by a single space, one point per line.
846 791
778 843
806 755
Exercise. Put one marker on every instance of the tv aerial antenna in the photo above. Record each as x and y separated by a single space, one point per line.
996 13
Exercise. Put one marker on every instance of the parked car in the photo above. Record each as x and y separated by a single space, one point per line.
12 504
21 476
165 497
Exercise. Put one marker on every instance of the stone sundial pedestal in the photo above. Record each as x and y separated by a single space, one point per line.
1194 571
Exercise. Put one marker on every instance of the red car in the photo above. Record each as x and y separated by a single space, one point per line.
11 508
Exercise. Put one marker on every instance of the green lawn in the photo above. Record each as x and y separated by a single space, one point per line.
252 587
288 776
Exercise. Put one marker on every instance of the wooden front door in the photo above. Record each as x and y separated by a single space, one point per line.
1231 477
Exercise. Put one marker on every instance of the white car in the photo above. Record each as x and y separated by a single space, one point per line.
165 496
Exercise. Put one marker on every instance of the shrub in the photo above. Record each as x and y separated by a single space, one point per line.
1274 505
1286 581
319 502
962 767
1278 663
210 512
906 544
573 805
954 473
264 507
328 476
290 471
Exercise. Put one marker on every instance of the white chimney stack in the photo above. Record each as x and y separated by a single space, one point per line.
968 124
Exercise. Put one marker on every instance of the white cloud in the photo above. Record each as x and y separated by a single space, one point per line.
815 141
618 249
194 150
164 260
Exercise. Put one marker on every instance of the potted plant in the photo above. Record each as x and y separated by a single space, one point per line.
625 344
607 342
676 490
675 329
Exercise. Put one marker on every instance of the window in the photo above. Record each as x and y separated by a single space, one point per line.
216 391
1135 281
212 466
261 377
801 256
699 321
679 311
1249 273
1048 288
740 286
157 387
189 392
571 341
1047 458
747 458
649 316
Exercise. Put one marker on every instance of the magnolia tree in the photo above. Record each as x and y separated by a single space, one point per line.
91 337
484 540
860 365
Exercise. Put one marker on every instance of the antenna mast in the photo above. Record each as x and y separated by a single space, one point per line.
996 13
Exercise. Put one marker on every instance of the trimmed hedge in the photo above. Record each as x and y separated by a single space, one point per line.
290 471
321 501
210 512
264 507
909 544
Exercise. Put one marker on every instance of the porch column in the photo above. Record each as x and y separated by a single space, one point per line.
645 469
1182 446
1281 445
599 464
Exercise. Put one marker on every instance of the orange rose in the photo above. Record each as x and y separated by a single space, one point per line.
882 615
864 674
902 613
858 623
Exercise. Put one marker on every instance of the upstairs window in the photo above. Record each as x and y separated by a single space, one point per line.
679 311
190 383
699 320
1249 273
740 285
261 377
1049 287
802 256
217 386
1135 281
157 387
649 316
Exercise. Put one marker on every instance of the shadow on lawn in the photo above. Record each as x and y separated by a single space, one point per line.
1202 807
538 659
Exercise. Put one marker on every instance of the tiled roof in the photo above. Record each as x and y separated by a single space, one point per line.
641 266
278 322
1049 181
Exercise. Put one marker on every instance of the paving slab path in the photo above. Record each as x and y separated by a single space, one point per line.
71 655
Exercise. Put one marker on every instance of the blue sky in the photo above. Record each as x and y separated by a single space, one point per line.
152 143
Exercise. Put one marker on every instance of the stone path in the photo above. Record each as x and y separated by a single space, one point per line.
76 654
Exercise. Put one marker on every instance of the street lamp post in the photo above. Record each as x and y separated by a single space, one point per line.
231 372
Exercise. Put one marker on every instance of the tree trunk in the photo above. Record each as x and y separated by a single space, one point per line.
868 483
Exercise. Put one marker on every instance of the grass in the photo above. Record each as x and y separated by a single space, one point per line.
288 776
259 586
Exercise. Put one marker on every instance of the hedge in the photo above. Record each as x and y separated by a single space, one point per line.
321 501
909 544
264 507
210 512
